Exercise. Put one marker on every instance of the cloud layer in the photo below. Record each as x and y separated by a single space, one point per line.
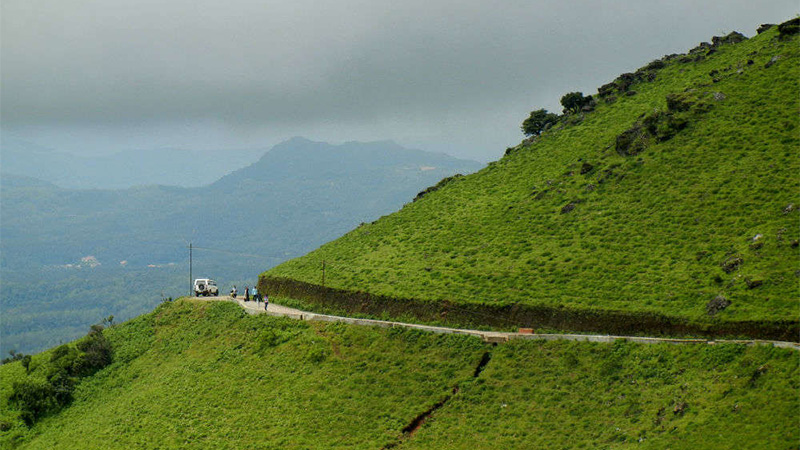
417 71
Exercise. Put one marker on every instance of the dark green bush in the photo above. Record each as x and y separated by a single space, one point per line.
538 121
34 398
574 101
96 353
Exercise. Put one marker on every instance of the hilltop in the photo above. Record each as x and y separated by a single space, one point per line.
668 204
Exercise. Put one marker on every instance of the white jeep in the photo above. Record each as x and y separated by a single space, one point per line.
205 286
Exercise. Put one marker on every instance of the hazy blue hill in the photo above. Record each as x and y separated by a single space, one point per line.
120 170
8 181
296 197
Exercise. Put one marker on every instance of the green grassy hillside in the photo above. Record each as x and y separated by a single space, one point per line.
679 188
206 375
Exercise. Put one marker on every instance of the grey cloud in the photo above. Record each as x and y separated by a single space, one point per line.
289 64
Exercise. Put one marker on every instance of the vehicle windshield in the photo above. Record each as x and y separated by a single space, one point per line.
212 283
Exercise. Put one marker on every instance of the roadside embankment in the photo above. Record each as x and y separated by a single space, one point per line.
529 316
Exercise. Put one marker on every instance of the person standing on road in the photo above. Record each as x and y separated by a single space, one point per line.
247 293
266 301
254 294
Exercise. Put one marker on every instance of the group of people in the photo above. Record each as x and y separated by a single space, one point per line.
252 293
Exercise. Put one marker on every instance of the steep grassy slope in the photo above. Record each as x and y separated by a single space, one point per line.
562 395
704 205
205 375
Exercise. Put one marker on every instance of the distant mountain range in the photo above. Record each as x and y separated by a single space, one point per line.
120 170
299 195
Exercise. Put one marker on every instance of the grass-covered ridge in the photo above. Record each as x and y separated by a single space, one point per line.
206 375
700 204
196 374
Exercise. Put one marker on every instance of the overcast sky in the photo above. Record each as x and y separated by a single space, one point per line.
93 76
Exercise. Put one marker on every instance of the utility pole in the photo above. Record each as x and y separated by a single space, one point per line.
191 285
323 273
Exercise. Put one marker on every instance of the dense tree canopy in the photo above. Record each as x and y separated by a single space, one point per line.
574 101
538 120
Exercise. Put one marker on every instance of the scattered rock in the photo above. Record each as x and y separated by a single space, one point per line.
568 207
757 374
795 243
586 168
611 99
655 65
443 182
789 208
756 245
772 61
734 37
659 416
764 27
731 264
750 62
752 284
680 408
716 305
624 81
719 96
789 28
702 47
679 102
590 187
631 93
606 89
632 141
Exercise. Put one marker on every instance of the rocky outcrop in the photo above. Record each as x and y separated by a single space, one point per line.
717 304
789 28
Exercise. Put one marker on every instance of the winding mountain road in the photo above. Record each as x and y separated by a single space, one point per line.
273 309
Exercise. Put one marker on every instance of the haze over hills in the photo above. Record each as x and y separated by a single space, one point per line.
69 248
120 170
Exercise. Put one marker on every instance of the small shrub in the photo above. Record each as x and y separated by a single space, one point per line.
574 101
34 398
538 121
